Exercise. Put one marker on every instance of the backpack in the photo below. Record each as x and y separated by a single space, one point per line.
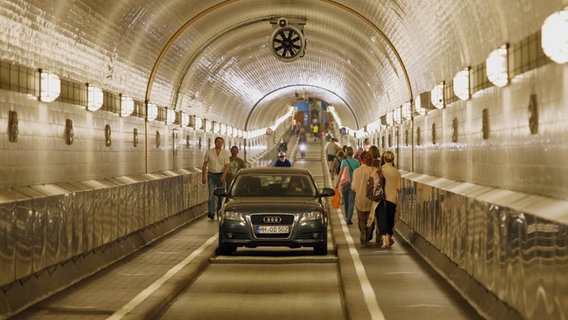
375 183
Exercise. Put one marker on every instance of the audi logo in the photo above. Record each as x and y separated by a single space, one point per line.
272 219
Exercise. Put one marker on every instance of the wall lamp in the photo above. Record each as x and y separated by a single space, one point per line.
126 106
94 98
496 64
554 41
407 110
198 123
49 86
170 116
422 102
184 119
151 111
462 85
389 118
397 114
215 127
437 95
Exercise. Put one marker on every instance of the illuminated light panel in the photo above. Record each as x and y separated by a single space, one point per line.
223 128
50 86
461 84
418 106
94 98
390 119
437 96
126 106
208 125
170 116
554 41
407 110
333 112
152 112
184 119
374 126
198 122
396 115
497 67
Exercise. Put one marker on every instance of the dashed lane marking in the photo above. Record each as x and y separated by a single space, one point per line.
368 292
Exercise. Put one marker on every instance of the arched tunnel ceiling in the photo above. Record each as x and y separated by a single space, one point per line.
213 57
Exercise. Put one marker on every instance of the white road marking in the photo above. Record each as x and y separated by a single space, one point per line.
126 309
368 292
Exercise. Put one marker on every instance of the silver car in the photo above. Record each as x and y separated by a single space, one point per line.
273 207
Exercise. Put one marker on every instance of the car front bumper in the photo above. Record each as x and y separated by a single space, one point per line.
301 234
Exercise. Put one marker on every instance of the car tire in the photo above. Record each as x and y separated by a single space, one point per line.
321 250
225 250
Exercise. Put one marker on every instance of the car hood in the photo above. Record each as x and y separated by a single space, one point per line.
264 204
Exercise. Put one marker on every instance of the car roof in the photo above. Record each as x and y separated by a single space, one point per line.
274 170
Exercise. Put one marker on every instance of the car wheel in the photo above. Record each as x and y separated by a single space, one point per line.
321 250
225 250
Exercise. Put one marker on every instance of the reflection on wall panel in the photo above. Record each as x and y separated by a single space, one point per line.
45 225
521 256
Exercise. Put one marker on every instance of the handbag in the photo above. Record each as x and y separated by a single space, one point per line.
346 176
336 200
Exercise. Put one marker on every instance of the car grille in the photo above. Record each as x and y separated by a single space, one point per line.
285 219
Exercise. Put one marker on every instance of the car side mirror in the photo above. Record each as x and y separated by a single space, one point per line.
327 192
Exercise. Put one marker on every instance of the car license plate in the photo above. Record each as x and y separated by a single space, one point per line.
271 229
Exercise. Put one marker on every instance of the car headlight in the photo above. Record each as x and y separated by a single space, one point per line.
232 215
313 215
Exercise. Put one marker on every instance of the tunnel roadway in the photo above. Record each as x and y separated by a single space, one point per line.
180 277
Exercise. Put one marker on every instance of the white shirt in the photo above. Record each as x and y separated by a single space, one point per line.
216 163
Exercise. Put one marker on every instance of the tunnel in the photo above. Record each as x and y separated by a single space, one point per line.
107 109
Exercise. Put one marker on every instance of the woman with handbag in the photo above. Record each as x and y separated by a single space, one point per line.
393 186
362 202
344 182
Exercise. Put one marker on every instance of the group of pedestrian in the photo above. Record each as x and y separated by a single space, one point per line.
374 217
218 170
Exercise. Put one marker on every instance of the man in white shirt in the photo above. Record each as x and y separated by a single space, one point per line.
214 172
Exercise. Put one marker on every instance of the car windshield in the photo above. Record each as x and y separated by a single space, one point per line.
273 185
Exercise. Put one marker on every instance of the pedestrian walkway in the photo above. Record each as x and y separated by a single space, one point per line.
392 283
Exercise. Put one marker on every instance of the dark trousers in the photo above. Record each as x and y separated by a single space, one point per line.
214 203
385 216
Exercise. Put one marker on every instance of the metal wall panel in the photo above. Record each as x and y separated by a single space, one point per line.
15 234
42 226
24 238
520 255
7 241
